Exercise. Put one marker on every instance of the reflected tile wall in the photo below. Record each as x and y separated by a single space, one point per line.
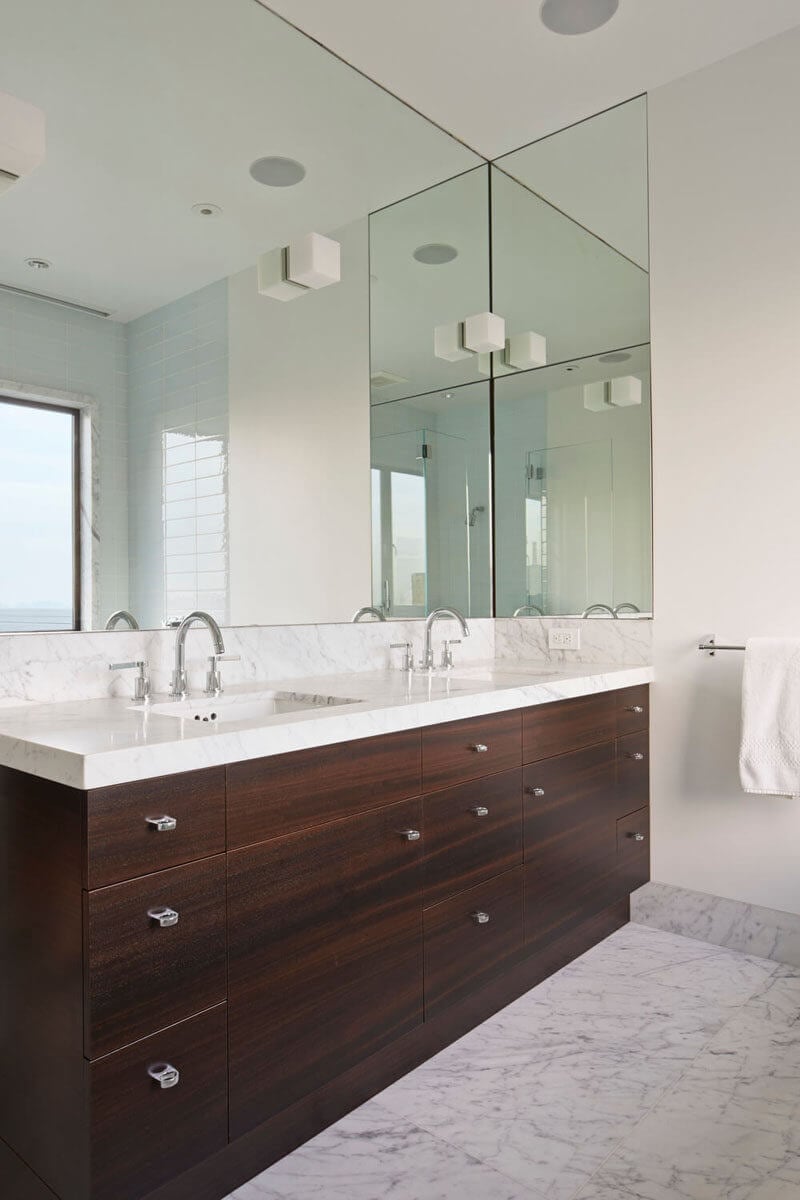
178 405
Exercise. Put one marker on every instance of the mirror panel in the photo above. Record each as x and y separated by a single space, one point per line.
431 504
573 489
224 436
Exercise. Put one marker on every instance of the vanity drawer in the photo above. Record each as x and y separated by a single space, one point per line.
270 797
141 974
633 770
633 848
471 832
462 750
143 1134
471 939
567 725
633 709
123 838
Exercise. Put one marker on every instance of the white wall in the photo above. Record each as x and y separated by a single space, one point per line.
299 482
725 261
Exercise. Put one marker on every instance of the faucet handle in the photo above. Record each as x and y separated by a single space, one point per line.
447 653
213 677
408 657
141 688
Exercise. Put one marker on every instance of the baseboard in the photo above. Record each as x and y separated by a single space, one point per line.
749 928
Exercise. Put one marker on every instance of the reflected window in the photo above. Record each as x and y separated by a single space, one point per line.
39 543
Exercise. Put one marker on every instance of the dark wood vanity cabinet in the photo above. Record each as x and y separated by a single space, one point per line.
202 971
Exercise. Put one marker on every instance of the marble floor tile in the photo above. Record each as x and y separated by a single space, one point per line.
372 1154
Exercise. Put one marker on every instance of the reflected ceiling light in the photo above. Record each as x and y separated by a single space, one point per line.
434 254
577 16
616 357
274 171
38 264
206 210
306 264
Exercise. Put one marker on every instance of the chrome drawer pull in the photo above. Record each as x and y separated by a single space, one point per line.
637 756
635 708
163 916
479 748
162 824
532 791
411 835
637 837
480 810
480 918
165 1075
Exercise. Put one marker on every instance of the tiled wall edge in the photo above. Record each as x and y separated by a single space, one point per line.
749 928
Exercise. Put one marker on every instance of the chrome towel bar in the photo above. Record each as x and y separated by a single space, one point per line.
711 645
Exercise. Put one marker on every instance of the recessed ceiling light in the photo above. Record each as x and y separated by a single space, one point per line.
615 357
207 210
577 16
38 264
433 254
574 367
277 172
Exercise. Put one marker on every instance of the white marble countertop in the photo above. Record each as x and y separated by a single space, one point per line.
95 743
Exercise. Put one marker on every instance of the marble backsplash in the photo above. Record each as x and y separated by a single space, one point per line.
75 666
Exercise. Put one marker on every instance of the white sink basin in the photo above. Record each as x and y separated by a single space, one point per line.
236 709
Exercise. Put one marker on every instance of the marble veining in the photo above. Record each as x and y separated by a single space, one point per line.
602 640
654 1067
749 928
94 743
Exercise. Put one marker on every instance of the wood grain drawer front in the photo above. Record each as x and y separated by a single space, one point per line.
633 709
155 952
567 725
334 898
462 750
136 828
290 1039
571 809
271 797
472 832
472 938
633 848
143 1134
633 771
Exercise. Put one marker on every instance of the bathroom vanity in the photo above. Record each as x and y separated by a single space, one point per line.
203 969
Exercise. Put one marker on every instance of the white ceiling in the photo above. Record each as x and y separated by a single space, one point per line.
490 73
152 107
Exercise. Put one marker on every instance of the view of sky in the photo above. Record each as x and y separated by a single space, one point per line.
35 507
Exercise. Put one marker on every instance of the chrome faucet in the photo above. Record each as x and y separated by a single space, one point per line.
606 608
366 611
213 681
626 606
122 616
439 614
528 608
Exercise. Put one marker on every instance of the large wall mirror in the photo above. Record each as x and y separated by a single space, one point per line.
171 438
551 242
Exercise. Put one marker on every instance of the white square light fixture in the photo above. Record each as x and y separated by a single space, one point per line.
273 280
448 342
625 391
22 139
595 396
526 350
314 261
484 332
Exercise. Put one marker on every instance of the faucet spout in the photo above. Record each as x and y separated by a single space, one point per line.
178 687
599 608
440 614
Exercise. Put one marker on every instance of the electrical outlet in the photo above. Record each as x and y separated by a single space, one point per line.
564 639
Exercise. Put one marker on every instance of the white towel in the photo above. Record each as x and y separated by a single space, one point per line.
769 757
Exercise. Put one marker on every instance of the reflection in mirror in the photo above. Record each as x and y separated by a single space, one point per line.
573 529
431 516
223 435
429 264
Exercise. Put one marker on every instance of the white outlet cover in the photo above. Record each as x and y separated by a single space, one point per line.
564 639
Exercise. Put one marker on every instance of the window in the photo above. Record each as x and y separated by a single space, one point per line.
39 506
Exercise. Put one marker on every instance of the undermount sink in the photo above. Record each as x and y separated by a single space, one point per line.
236 709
